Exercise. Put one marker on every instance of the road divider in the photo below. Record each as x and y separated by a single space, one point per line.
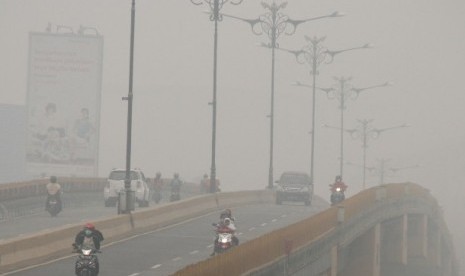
48 245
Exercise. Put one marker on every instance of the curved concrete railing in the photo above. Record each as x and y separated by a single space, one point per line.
313 238
28 250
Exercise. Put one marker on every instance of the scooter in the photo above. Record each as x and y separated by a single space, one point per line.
225 238
157 195
53 206
337 196
87 262
175 194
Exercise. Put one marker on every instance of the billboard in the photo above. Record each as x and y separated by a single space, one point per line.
63 103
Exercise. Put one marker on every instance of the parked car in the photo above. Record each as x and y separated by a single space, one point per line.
116 184
294 186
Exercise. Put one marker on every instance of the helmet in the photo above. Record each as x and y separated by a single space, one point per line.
228 211
89 226
176 175
53 179
338 178
158 174
205 176
88 233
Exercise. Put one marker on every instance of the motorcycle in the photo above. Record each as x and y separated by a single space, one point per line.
157 195
87 261
53 206
175 194
225 238
337 196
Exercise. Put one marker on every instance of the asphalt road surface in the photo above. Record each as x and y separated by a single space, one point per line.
165 251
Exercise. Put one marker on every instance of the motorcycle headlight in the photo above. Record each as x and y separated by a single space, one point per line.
86 252
338 189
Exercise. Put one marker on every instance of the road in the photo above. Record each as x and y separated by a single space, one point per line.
166 250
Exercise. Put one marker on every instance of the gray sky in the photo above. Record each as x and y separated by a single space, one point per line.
419 47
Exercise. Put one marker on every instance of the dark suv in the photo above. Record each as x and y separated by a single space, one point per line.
294 186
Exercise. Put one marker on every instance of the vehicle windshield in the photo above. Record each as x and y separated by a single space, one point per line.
300 179
121 175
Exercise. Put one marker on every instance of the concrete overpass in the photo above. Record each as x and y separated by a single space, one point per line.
395 229
391 230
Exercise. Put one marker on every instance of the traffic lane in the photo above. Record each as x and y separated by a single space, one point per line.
42 221
165 251
85 207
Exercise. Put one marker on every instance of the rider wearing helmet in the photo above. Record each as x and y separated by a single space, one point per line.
338 184
94 237
89 237
226 214
53 190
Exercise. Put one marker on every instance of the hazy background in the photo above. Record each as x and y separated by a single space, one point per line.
419 47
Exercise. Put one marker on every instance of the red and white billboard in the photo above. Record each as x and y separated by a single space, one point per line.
63 102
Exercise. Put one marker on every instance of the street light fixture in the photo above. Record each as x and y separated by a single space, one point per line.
215 16
341 91
274 23
365 131
314 54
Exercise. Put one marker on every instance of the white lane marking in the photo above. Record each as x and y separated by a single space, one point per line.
156 266
251 228
194 252
176 259
210 245
134 274
263 224
238 234
274 220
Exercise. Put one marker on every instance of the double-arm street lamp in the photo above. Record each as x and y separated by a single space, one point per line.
314 53
343 90
215 16
366 131
382 169
274 23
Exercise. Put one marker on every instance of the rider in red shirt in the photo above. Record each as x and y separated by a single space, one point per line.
338 183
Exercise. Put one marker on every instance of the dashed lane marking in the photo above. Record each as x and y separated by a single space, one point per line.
194 252
176 259
156 266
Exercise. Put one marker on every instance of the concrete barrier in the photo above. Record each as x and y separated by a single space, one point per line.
34 249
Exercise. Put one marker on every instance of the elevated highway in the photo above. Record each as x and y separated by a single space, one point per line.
396 229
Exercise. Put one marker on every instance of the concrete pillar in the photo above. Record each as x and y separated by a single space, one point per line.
417 238
394 245
364 254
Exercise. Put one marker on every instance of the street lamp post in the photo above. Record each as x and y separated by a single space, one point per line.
215 16
382 170
365 131
314 53
341 91
129 98
274 23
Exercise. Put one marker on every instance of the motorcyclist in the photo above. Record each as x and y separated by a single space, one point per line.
157 187
176 185
53 190
226 221
338 184
89 237
204 184
227 213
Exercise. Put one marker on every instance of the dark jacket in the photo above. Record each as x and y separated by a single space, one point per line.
96 235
